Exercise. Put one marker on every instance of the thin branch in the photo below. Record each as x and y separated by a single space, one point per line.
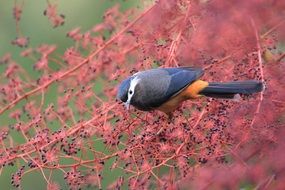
175 43
280 57
260 65
71 131
84 62
272 29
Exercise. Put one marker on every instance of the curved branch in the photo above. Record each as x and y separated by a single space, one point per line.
85 61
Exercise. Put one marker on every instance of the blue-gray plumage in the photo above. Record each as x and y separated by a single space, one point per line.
156 86
165 88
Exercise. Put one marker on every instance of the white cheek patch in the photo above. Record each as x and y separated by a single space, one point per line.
133 84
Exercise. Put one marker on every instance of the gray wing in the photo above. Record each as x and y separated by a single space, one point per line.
159 85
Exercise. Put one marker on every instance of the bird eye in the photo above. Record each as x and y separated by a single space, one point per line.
130 92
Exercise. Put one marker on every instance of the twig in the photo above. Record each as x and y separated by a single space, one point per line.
84 62
265 184
280 57
71 131
272 29
260 70
175 43
262 80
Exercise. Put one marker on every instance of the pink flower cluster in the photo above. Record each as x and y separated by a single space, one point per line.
216 144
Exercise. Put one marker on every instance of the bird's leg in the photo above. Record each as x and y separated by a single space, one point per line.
170 116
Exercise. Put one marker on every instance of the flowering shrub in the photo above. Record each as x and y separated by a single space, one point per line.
86 133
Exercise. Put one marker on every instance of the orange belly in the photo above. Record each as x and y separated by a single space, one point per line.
190 92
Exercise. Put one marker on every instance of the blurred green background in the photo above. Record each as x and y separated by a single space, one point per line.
84 14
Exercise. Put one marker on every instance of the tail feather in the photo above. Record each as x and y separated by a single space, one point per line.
230 89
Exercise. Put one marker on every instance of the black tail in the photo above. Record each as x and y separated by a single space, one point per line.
230 89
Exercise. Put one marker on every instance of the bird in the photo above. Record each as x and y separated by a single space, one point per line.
164 89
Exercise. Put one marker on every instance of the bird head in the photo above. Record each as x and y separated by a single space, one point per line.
127 90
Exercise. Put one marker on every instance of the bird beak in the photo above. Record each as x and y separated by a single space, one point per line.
127 105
